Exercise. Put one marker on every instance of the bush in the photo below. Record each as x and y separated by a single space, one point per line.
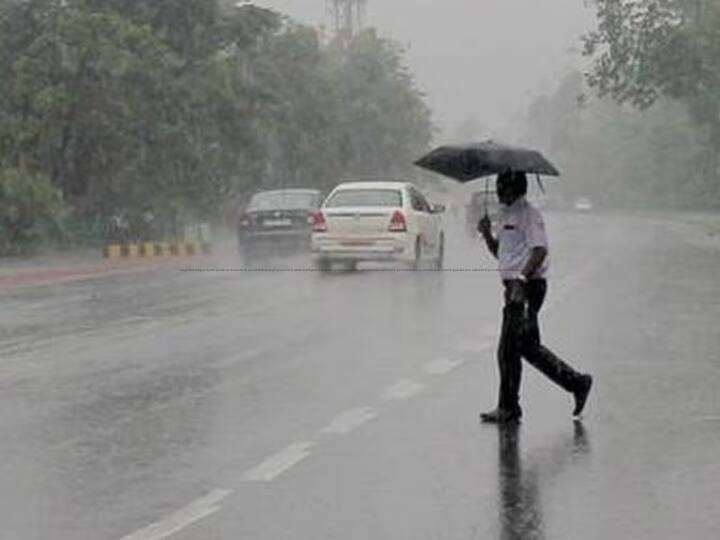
31 212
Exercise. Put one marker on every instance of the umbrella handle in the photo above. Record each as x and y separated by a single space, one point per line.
485 200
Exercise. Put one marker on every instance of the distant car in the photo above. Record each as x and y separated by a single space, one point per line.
377 221
277 221
583 204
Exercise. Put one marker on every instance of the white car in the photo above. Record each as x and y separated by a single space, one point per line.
377 221
583 204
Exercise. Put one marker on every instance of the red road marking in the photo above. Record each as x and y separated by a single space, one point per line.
38 277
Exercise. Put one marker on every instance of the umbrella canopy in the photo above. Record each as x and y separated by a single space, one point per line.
467 162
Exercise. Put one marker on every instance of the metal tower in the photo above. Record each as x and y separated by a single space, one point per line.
348 16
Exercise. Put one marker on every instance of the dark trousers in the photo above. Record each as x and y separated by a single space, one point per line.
520 338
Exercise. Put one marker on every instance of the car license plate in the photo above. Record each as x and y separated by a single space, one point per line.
277 222
358 242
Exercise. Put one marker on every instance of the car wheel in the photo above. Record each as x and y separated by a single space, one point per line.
440 259
417 260
245 254
323 265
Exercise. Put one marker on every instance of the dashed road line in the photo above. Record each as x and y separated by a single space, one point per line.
183 518
346 422
442 366
279 463
403 389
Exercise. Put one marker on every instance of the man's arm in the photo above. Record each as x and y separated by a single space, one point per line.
537 258
536 237
517 290
484 227
492 244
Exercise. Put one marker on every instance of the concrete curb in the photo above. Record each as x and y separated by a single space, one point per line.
156 250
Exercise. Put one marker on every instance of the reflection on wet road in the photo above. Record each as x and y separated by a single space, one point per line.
520 495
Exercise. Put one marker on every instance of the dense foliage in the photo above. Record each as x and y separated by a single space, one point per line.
618 155
31 211
663 56
177 109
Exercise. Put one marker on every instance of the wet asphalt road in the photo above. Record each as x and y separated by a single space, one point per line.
293 405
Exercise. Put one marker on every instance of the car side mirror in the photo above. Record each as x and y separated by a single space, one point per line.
438 208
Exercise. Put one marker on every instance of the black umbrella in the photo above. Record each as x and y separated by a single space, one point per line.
468 162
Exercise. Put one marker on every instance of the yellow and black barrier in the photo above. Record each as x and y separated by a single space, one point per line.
156 250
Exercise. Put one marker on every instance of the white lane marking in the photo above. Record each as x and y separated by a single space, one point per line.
349 420
442 366
403 389
177 521
278 463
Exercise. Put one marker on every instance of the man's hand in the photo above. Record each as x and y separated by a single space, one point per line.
484 226
516 292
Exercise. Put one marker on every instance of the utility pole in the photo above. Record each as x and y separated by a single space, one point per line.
348 16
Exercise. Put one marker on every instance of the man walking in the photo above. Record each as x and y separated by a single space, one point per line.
521 248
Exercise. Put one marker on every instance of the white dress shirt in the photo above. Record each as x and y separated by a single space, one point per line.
520 228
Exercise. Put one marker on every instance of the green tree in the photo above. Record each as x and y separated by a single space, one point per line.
647 50
183 107
384 122
30 207
618 154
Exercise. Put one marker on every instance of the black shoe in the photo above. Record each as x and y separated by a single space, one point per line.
500 416
581 394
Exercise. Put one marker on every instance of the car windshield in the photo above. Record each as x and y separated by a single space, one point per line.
272 200
365 197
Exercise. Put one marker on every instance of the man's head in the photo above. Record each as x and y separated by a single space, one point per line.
510 186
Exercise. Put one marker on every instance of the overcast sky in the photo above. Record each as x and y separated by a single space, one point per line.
481 58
